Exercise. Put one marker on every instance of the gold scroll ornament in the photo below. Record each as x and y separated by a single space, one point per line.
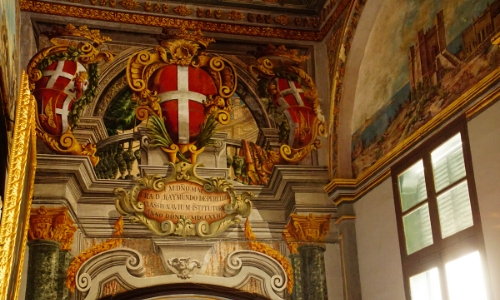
86 54
184 49
183 204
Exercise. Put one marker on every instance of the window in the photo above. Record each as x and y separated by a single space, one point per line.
439 227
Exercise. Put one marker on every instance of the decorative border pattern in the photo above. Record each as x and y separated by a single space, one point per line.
20 169
142 19
172 22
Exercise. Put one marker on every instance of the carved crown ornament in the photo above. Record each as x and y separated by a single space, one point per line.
183 204
307 229
63 78
181 115
53 224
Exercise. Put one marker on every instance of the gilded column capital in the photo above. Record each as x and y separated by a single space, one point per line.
307 229
291 243
53 224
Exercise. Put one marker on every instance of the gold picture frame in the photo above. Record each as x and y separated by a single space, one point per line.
18 193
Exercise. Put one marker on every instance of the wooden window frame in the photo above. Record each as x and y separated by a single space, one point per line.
457 245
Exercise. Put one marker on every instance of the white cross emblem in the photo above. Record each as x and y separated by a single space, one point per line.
182 95
64 113
58 72
295 92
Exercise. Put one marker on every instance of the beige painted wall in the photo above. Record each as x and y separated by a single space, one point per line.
376 230
380 267
484 137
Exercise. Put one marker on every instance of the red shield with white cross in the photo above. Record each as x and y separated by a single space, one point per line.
62 83
297 109
290 93
182 90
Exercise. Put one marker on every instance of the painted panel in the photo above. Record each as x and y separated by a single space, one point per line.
9 44
418 60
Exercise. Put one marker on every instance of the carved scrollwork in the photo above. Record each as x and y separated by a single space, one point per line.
196 191
181 51
62 96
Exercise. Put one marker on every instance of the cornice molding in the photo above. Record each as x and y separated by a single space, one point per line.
156 19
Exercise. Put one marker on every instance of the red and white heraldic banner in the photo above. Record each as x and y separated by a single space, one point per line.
184 199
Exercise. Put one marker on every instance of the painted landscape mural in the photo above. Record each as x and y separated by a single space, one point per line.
429 54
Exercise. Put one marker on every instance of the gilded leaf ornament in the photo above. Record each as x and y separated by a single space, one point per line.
130 4
235 15
182 10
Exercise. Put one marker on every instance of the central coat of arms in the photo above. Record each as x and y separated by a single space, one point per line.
184 92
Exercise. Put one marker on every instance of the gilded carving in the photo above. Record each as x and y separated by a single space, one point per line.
157 7
208 13
217 14
263 248
148 6
19 188
235 15
165 222
307 229
53 224
182 10
291 243
199 12
78 261
112 3
282 20
250 17
141 19
130 4
63 95
165 8
292 101
181 51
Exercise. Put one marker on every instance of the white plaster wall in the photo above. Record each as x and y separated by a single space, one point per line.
380 268
484 138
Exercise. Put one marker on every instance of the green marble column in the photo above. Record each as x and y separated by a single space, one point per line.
65 258
297 276
313 272
43 270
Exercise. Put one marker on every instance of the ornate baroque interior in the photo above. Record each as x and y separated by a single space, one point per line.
233 149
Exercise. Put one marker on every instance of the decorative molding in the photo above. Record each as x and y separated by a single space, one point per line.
130 4
344 218
267 250
282 20
235 15
308 229
291 243
72 272
171 22
82 31
18 194
182 10
127 267
54 224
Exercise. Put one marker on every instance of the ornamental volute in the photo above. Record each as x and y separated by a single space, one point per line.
53 224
